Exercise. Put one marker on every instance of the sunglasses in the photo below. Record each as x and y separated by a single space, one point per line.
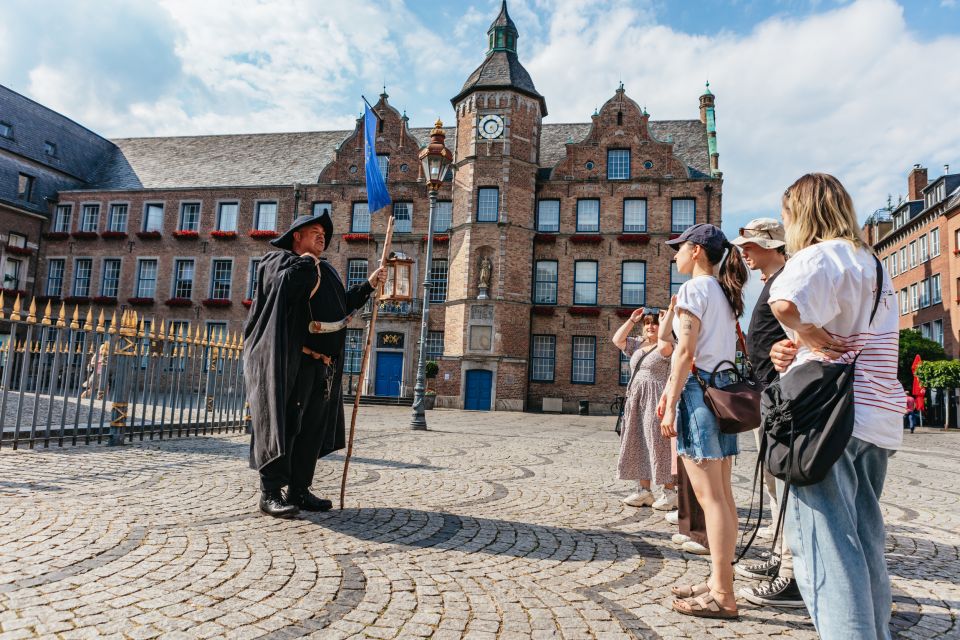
754 232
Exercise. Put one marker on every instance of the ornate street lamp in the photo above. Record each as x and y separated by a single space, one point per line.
435 158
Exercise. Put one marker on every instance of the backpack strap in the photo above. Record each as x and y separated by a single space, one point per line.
876 302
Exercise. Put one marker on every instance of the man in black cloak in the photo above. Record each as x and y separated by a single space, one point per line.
293 364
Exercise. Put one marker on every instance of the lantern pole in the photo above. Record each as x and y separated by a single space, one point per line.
418 421
374 307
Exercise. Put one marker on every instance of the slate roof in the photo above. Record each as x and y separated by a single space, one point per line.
499 70
287 158
78 157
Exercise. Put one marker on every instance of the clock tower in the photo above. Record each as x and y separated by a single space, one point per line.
487 319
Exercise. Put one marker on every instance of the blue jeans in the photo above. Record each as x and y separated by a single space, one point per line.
698 432
835 530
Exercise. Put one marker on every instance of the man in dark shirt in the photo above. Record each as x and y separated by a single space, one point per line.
293 364
762 243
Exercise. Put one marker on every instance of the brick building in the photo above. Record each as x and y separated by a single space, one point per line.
919 244
568 218
41 153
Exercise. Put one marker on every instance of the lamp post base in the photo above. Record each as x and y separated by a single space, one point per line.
418 423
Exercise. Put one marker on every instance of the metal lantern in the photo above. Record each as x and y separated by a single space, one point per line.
399 278
435 158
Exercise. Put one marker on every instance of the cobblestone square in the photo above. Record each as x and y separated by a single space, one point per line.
490 525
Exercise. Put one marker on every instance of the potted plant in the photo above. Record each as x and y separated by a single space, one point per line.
430 396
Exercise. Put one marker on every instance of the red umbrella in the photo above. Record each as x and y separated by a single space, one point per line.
918 392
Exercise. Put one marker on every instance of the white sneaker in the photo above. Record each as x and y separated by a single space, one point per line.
680 539
673 517
667 501
692 547
639 499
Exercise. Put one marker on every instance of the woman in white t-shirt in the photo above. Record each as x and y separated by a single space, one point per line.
705 324
824 298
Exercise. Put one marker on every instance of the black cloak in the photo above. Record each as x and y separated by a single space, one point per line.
273 337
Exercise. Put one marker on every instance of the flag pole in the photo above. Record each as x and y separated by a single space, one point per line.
364 360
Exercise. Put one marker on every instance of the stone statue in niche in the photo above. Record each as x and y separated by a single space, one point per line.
486 269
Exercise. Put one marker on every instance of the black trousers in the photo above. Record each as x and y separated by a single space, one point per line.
307 425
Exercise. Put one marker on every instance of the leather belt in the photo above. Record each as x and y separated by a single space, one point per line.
316 355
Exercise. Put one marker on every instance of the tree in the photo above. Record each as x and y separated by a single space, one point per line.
913 344
944 374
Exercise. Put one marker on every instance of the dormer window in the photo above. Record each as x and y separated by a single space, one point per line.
6 129
50 149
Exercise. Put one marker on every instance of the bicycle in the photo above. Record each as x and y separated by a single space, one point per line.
617 405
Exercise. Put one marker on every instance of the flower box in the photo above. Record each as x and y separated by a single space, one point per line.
45 298
223 235
13 293
77 300
216 302
104 300
633 238
19 251
584 311
540 310
356 237
85 235
263 234
674 236
586 239
140 302
956 252
439 238
179 302
624 312
56 235
186 235
149 235
545 238
247 303
114 235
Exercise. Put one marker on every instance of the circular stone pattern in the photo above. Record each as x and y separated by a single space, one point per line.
490 528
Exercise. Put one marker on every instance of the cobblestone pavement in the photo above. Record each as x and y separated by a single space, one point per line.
491 525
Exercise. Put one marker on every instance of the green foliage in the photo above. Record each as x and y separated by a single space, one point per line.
943 374
431 369
913 344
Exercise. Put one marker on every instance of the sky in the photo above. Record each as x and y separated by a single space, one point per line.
863 89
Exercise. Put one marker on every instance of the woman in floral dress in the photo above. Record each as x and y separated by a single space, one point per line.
644 453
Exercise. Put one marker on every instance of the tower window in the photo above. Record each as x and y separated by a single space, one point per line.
488 204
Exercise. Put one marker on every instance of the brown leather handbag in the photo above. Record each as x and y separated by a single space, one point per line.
736 406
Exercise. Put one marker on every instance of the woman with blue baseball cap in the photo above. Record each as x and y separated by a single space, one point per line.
707 308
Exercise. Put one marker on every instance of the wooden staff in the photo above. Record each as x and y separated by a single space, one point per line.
366 358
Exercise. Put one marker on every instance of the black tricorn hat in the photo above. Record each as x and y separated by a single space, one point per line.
286 240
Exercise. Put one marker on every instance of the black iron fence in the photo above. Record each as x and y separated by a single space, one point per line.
67 380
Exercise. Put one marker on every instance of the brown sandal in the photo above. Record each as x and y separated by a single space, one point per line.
690 590
704 606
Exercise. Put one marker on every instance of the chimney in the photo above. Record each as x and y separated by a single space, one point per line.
946 169
916 182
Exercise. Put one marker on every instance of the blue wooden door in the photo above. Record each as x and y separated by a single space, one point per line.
389 373
478 388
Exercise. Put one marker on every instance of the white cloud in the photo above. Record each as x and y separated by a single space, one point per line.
843 91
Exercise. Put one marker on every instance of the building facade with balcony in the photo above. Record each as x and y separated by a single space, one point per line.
546 236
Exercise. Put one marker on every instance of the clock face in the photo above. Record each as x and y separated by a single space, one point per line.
491 127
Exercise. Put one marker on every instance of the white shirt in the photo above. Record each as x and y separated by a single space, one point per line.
833 286
717 342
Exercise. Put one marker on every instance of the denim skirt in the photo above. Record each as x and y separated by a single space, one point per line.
698 432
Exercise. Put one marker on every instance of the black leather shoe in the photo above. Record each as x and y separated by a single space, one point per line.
273 504
307 501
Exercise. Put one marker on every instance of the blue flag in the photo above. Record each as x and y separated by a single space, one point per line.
377 196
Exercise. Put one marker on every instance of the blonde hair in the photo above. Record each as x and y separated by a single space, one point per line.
820 209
